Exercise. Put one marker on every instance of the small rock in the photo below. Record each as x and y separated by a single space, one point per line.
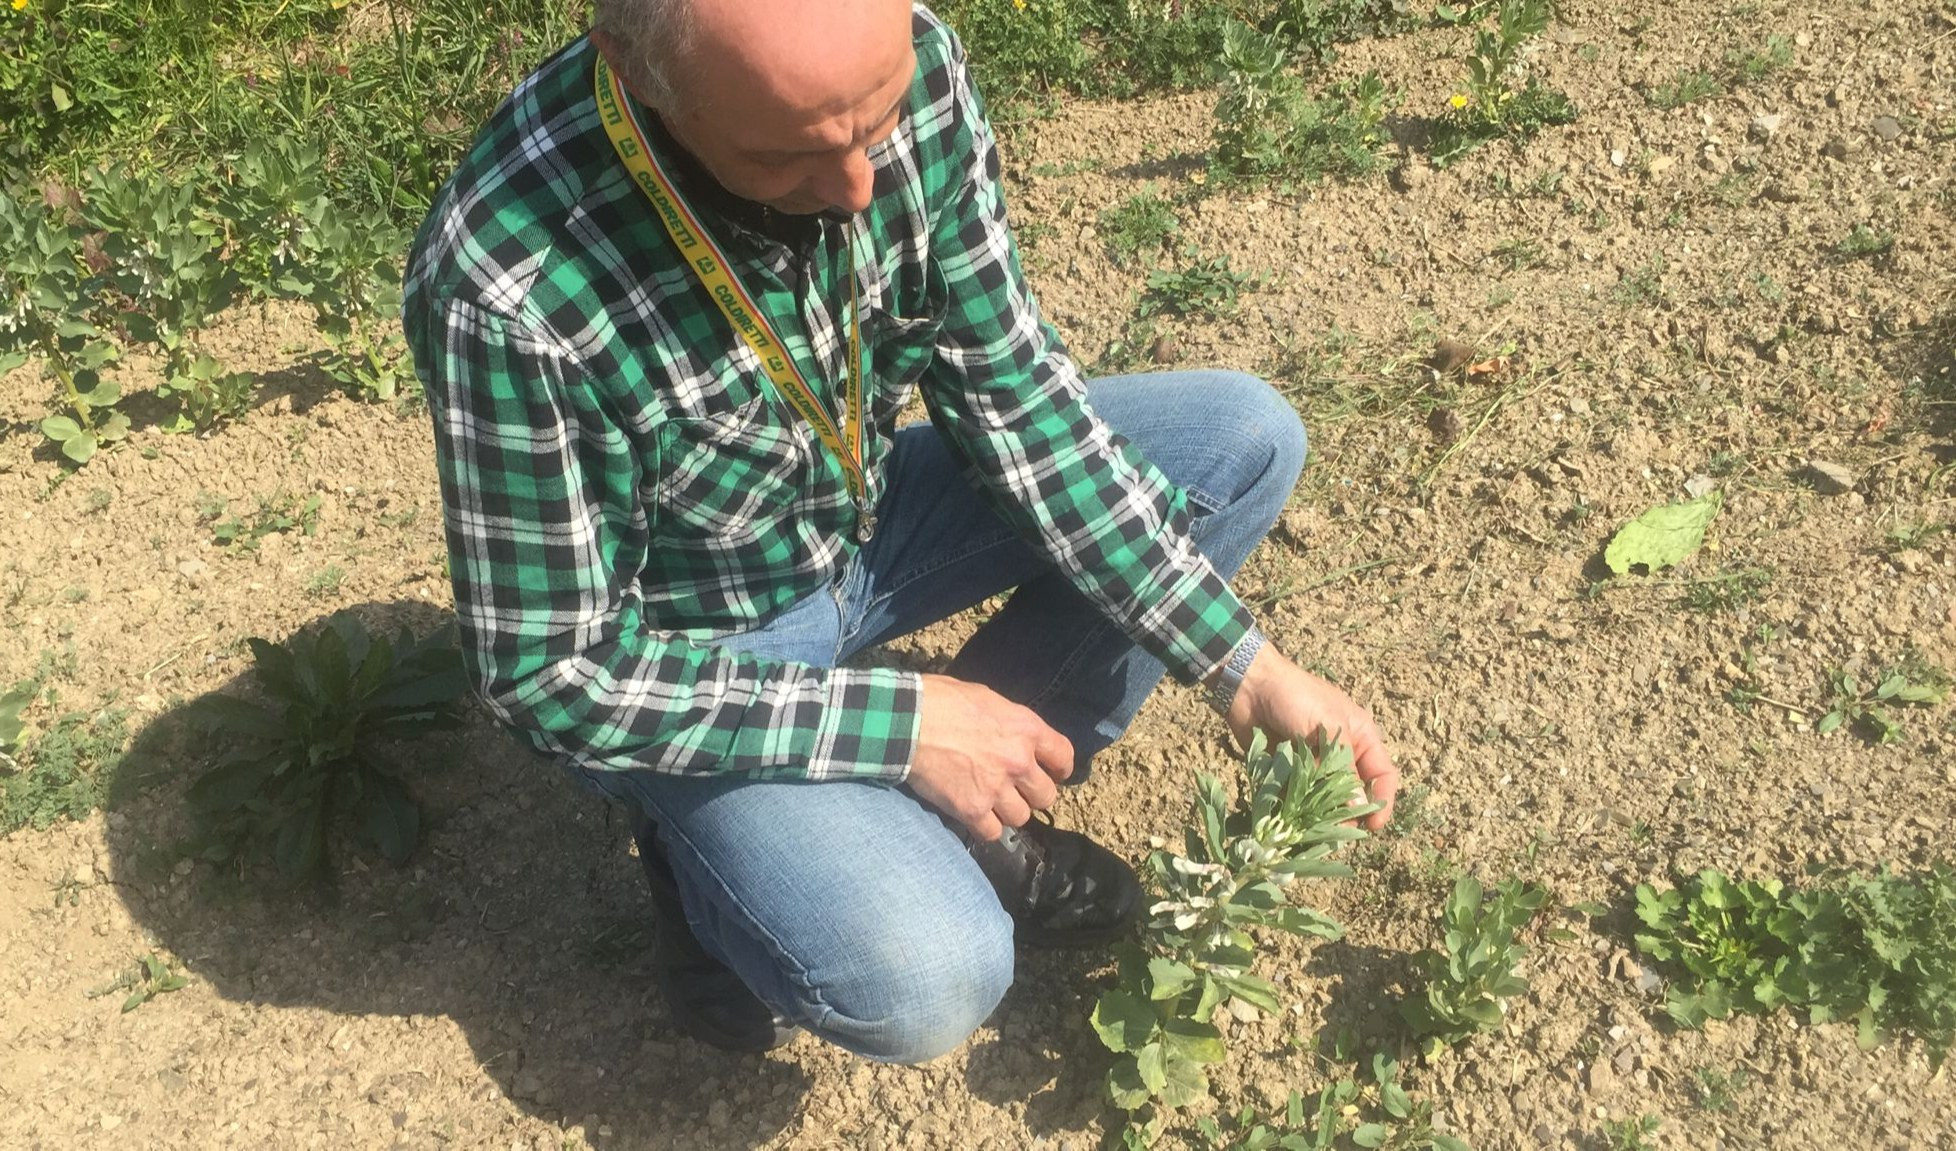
1888 128
1601 1079
1781 192
1578 406
1765 126
1836 148
527 1084
1445 425
1831 479
1164 350
1697 486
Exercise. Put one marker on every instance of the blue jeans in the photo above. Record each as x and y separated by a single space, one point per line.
851 908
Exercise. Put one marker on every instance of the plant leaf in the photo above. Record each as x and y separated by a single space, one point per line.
1663 536
1123 1021
393 819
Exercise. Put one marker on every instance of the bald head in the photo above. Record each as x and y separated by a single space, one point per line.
780 99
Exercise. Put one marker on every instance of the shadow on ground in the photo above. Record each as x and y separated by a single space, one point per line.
520 916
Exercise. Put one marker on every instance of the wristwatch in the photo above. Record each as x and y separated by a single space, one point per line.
1229 677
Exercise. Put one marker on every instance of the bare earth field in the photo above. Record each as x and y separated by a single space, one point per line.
1662 296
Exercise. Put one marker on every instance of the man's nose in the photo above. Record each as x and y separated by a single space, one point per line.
851 185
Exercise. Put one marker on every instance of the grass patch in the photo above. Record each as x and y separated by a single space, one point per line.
65 773
1687 87
1138 227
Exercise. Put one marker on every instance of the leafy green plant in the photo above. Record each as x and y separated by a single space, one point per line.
349 268
1663 536
1751 65
1878 950
1269 127
164 258
1687 87
14 701
1502 98
1471 977
1199 287
1717 1088
1197 954
311 751
1864 242
45 311
281 513
1379 1115
65 772
1870 712
1630 1134
1138 226
149 978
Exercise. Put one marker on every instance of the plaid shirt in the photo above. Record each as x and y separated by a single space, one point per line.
620 485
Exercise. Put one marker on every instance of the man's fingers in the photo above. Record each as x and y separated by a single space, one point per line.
985 827
1037 790
1054 753
1011 810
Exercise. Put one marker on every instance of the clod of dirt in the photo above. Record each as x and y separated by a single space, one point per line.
1888 128
1408 175
1766 125
1450 356
1831 479
1165 349
1836 148
1445 425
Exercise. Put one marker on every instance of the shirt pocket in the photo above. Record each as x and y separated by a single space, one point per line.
725 478
901 348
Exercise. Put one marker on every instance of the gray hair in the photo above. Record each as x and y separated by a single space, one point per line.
652 38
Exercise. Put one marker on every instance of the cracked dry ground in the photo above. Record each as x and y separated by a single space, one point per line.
1667 290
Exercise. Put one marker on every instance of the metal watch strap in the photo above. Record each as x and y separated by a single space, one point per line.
1229 677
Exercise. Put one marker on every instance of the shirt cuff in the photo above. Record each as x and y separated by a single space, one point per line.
868 726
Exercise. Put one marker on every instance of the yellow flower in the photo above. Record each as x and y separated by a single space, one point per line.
1019 4
19 5
1459 100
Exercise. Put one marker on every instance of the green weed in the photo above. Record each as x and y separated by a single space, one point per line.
1879 951
1209 288
1630 1134
1268 127
1870 712
1469 980
1687 87
1501 99
1865 243
65 773
1726 592
46 311
1138 227
149 978
311 752
1751 65
280 513
1377 1115
1717 1089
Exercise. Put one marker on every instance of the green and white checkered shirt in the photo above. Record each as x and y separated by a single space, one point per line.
620 485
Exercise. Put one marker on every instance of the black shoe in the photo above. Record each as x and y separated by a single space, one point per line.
707 1000
1061 888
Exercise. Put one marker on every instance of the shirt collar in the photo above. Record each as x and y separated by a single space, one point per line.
797 233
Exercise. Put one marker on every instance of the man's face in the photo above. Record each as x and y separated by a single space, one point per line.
785 98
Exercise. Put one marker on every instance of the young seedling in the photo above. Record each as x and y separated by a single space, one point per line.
281 513
1502 99
1877 950
1138 227
12 703
46 311
1871 712
1471 978
1687 87
1200 287
1197 955
1865 243
1630 1134
1378 1115
1269 127
310 752
149 978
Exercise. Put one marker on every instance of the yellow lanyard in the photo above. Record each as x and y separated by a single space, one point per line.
845 443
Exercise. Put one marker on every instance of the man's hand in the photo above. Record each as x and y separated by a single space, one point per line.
984 760
1288 702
